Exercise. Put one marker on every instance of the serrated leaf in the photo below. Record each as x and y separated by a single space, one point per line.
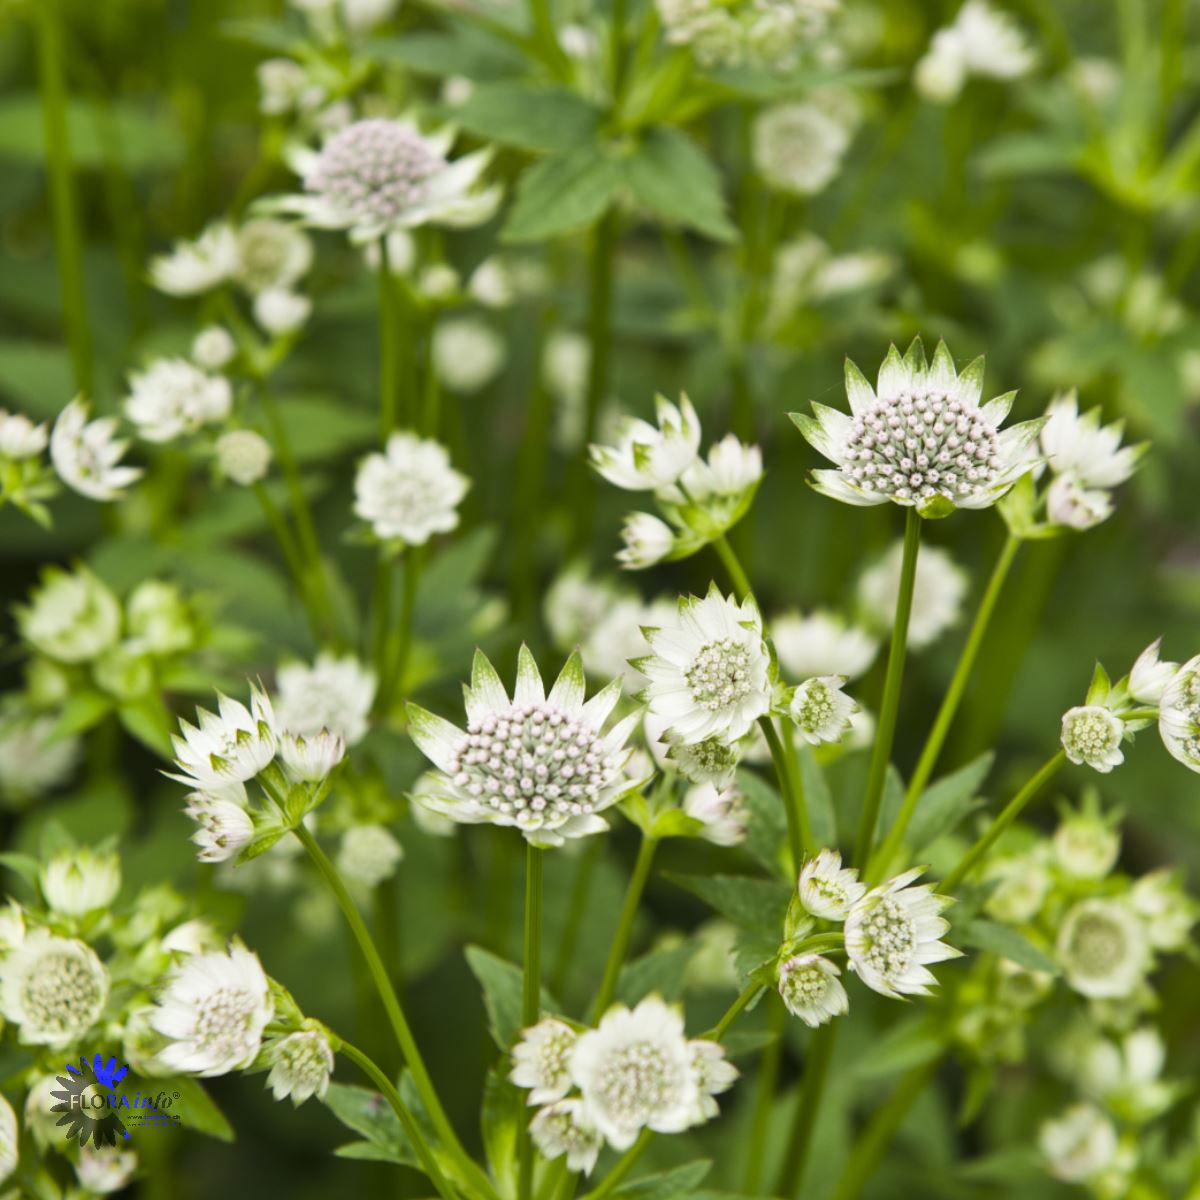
946 803
543 118
368 1114
502 984
995 938
672 177
666 1185
822 816
660 971
756 904
563 194
766 829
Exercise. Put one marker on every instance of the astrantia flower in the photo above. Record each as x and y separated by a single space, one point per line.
540 1061
369 854
102 1171
1091 736
213 347
710 673
197 266
377 176
1127 1074
1020 883
1079 1145
713 760
1165 907
893 932
77 882
541 763
335 693
87 456
922 438
821 643
730 471
243 456
468 354
409 492
1149 677
821 710
635 1072
301 1064
279 311
564 1128
939 589
714 1074
229 747
20 438
648 457
648 540
1102 949
225 827
1179 715
811 990
827 889
71 616
34 759
980 41
310 759
1073 506
721 812
54 989
799 147
272 254
1086 845
214 1009
172 397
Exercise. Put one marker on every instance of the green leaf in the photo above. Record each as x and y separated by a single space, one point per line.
24 865
562 194
148 720
766 829
945 804
666 1185
502 984
502 1102
913 1041
660 971
36 376
756 904
672 177
995 938
367 1113
822 817
196 1108
83 710
540 117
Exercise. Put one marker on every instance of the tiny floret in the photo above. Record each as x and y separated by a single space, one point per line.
541 1061
821 710
827 889
1091 736
811 989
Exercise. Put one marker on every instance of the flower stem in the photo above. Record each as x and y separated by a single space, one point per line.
388 1090
882 750
1007 816
620 943
947 712
531 995
391 1003
64 206
741 582
625 1164
768 1077
397 644
744 1000
816 1071
800 837
293 557
389 350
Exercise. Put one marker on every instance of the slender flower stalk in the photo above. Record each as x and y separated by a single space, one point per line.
293 557
530 998
395 645
620 943
882 751
1007 816
768 1079
800 836
946 713
744 1000
816 1071
389 332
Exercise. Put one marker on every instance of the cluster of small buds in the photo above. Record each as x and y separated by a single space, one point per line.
713 760
923 445
534 762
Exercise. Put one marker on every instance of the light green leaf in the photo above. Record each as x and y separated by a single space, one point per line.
369 1114
660 971
1005 941
502 987
945 804
563 194
543 118
196 1108
666 1185
671 176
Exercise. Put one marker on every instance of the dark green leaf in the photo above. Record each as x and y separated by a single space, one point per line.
945 804
543 118
756 904
502 984
660 971
671 176
666 1185
369 1114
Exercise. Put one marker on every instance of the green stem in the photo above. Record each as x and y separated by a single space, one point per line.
531 995
947 712
744 1000
741 582
388 1090
621 939
391 1003
816 1071
397 645
625 1164
881 752
874 1140
616 48
431 407
1006 817
389 348
293 557
768 1078
64 206
800 837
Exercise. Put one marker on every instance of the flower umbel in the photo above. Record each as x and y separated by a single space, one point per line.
540 1061
821 710
827 889
409 492
1091 736
811 989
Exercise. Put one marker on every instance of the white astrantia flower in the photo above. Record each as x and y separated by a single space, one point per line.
173 397
714 1074
1075 507
648 540
731 469
102 1171
213 348
10 1150
635 1072
53 989
335 693
224 825
159 619
821 643
1086 845
1166 909
379 175
721 812
616 637
272 255
1092 735
284 87
1179 715
410 491
542 763
541 1061
20 438
892 934
71 616
811 990
243 456
468 354
213 1010
369 854
439 283
939 588
920 437
827 889
1149 677
87 454
494 283
713 760
77 882
821 710
564 1128
197 266
651 457
798 147
310 759
1126 1075
710 672
769 33
1080 1145
230 746
280 312
981 40
1102 949
301 1064
34 759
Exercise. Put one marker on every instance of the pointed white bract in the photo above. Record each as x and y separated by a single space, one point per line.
920 438
827 889
230 746
714 1074
821 710
1150 676
336 693
87 454
709 673
301 1064
811 990
541 1061
20 438
213 1010
224 827
894 932
1092 735
52 988
648 540
648 458
77 882
542 763
1179 715
310 759
410 491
